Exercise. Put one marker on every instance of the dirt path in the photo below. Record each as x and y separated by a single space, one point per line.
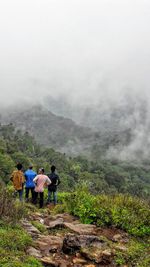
62 241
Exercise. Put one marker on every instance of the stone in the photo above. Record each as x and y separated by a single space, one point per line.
107 252
117 238
79 261
49 244
97 255
82 229
59 223
43 247
121 238
32 230
49 261
73 243
63 264
121 248
42 221
34 252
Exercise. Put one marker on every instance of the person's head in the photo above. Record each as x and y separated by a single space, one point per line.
30 167
53 168
41 171
19 166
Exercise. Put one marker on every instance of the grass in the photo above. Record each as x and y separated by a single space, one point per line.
13 244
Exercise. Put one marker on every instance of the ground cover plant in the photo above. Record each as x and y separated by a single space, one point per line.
123 211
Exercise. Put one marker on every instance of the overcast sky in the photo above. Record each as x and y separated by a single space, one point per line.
78 47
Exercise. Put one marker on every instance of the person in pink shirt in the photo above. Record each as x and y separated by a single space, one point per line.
41 180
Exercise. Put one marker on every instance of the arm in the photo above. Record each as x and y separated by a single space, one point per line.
58 180
11 177
48 181
35 179
25 176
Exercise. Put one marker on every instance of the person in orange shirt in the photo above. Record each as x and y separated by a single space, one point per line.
18 180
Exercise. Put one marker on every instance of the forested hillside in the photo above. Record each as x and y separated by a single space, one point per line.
100 176
64 135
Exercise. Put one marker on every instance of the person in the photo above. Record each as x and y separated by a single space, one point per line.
52 188
40 180
18 180
29 184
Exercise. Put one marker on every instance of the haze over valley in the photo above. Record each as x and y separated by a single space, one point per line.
75 74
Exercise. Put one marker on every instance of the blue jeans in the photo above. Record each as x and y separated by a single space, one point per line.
20 192
50 193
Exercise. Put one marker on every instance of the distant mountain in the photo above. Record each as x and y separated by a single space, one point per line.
122 124
64 134
51 130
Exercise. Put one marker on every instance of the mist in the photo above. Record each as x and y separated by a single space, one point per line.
77 48
89 53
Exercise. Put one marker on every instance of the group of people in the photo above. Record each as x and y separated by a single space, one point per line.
35 183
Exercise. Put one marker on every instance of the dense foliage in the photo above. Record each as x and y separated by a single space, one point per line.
100 176
123 211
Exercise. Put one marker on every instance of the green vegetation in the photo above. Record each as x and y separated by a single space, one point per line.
123 211
100 176
137 254
42 228
10 210
13 239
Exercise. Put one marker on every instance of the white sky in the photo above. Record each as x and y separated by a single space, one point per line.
79 47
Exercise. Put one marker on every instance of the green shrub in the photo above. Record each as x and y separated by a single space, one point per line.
123 211
10 209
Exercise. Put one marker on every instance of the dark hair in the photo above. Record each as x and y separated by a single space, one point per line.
42 170
53 168
30 167
19 166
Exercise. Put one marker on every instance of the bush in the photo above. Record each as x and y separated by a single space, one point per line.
10 209
123 211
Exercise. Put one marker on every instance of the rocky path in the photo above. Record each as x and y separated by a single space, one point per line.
62 241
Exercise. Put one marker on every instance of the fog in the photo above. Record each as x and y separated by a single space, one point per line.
80 48
89 52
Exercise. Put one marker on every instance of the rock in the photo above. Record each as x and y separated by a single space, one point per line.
64 264
82 229
121 248
66 217
97 255
32 230
79 261
117 238
42 221
43 247
49 261
59 223
121 238
74 242
34 252
49 244
107 252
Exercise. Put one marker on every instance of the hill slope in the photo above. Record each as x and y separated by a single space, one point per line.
64 134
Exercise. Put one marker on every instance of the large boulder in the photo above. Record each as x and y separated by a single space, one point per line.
74 242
